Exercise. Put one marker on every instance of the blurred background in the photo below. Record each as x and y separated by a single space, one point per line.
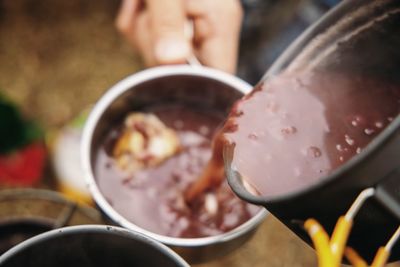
58 57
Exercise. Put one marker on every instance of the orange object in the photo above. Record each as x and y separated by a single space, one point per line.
354 258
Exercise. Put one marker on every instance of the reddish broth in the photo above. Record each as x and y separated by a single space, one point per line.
154 198
296 128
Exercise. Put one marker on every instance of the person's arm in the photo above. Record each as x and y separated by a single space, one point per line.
156 28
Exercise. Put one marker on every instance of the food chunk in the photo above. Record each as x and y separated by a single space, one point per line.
145 141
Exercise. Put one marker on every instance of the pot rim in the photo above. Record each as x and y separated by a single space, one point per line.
91 228
111 95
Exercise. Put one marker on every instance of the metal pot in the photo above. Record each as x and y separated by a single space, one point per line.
193 86
358 37
91 245
28 212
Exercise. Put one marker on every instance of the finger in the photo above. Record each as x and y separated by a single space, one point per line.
217 27
125 20
142 39
218 46
199 11
133 23
220 54
167 19
196 8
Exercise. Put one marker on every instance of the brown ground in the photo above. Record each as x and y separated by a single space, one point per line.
58 57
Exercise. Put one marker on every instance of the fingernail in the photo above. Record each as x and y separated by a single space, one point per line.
171 50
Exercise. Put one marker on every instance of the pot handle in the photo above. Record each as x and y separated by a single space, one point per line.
192 60
387 193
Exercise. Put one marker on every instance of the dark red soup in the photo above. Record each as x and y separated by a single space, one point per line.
153 198
295 129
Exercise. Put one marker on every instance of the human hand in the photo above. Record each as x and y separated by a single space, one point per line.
156 28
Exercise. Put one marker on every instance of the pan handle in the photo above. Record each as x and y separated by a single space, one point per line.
387 192
192 60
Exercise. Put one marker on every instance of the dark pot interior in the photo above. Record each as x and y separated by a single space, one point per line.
12 233
28 212
90 246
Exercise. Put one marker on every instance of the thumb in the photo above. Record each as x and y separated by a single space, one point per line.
167 20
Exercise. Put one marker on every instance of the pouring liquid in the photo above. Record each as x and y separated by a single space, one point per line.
295 129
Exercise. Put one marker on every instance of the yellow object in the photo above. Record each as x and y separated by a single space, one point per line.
381 257
73 194
321 243
339 238
330 251
354 258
